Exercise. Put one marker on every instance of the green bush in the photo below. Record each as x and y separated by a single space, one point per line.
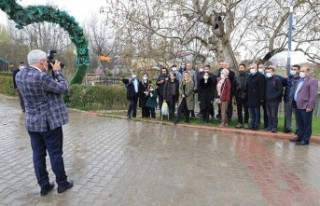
97 97
6 85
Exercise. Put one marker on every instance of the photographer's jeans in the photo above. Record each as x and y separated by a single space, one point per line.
53 142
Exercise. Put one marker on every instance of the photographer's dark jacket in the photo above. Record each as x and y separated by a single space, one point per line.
45 109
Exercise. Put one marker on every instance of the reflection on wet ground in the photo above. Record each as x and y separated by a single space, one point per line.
121 162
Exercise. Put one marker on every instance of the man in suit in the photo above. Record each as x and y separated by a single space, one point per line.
45 115
132 86
305 97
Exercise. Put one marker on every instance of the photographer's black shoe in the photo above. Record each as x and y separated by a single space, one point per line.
45 190
63 188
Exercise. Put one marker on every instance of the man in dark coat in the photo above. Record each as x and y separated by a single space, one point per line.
213 77
171 94
160 84
290 85
144 95
206 96
239 87
274 91
255 90
132 86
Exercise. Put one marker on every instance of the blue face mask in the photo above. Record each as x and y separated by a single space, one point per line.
269 75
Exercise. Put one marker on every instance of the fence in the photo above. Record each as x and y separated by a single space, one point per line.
91 79
4 65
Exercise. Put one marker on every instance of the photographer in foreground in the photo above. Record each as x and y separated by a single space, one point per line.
45 115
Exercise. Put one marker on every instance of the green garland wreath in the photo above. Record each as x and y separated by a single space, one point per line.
35 14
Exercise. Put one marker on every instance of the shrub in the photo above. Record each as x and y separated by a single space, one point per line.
98 97
6 85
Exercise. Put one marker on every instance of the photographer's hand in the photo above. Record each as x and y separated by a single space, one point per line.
56 66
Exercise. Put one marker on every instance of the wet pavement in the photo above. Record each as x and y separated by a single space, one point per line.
123 162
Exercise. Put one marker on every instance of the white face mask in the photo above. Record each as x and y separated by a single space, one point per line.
302 75
174 69
145 78
134 76
201 70
261 71
293 72
269 75
253 71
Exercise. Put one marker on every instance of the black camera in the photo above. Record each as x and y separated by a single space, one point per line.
51 59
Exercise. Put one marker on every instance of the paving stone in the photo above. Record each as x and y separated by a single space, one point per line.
122 162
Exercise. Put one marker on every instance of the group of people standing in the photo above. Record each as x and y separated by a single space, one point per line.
254 89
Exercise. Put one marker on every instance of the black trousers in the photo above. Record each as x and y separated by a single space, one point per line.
132 110
145 111
242 107
183 108
265 115
172 107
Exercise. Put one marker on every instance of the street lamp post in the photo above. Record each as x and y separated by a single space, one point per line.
290 38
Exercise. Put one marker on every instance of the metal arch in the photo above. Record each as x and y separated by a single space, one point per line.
24 16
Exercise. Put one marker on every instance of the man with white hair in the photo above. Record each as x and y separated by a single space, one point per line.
45 115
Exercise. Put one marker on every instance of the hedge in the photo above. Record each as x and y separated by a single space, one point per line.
6 85
82 97
98 97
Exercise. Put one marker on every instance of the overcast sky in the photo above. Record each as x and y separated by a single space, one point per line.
81 10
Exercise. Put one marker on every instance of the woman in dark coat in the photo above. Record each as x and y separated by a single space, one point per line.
171 94
206 96
143 95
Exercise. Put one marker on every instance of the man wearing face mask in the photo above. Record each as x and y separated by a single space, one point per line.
255 89
132 86
290 85
239 88
171 94
274 90
143 95
305 97
163 77
182 69
199 76
261 68
206 96
174 69
45 115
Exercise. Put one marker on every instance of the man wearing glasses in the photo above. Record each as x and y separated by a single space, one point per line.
45 115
